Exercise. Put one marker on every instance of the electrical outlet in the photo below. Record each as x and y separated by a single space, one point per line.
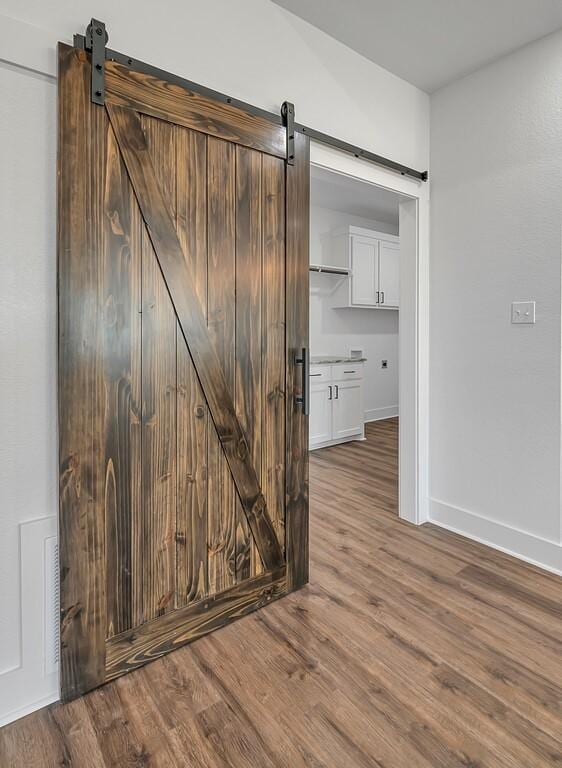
384 363
523 312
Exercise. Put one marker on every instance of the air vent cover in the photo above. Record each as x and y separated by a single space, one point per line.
52 610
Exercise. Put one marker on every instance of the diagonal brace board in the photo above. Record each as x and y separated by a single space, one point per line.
177 275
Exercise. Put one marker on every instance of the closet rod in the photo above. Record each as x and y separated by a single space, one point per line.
328 270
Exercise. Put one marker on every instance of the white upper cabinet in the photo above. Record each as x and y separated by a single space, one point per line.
389 274
364 260
373 259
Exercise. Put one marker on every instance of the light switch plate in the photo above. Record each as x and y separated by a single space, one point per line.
523 312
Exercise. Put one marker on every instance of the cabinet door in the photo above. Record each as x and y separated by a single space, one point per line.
347 409
364 258
320 420
389 274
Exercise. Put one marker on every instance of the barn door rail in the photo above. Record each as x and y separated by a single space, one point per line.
286 117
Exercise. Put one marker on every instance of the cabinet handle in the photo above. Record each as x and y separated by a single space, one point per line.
330 393
337 392
315 374
349 371
378 297
382 299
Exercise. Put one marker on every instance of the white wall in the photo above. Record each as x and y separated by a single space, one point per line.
336 331
28 422
256 51
496 206
251 49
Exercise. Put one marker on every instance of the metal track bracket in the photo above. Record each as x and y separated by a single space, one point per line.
288 115
286 118
95 42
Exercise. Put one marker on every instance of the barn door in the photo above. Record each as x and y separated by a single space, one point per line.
183 265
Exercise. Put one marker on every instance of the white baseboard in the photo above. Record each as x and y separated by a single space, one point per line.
341 441
27 709
377 414
536 550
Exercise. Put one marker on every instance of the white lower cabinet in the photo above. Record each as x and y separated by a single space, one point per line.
347 409
320 419
336 404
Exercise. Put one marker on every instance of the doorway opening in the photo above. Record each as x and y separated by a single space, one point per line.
354 331
369 327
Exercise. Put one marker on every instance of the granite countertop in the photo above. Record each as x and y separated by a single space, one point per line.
329 360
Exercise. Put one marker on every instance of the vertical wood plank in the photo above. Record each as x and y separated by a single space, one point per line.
273 342
221 275
192 411
122 368
163 235
296 521
159 399
81 391
248 395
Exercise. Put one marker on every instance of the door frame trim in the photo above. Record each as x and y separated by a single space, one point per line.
414 323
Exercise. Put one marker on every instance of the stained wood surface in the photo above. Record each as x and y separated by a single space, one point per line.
82 440
122 346
273 338
297 298
153 639
205 356
192 413
250 337
173 298
410 647
159 429
221 319
151 96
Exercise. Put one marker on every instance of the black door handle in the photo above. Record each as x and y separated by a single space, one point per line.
304 397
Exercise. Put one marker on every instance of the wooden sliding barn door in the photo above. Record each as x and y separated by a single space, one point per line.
183 304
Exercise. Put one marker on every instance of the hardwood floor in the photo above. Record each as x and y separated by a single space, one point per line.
411 648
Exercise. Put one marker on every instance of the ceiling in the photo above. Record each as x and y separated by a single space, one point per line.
340 193
431 42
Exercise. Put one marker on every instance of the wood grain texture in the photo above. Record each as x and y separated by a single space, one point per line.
296 512
179 280
122 354
172 371
153 639
273 341
81 386
390 657
159 398
151 96
221 322
249 334
192 411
